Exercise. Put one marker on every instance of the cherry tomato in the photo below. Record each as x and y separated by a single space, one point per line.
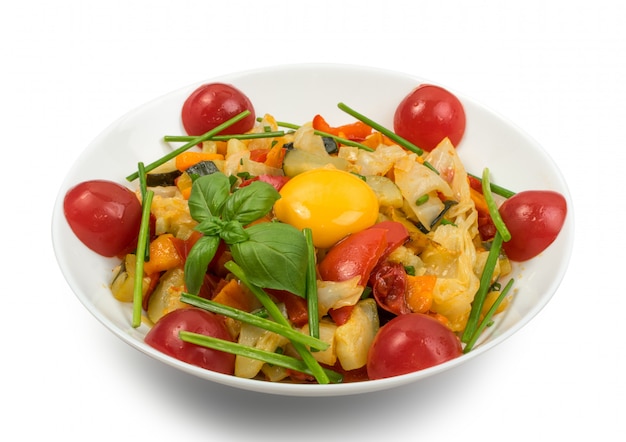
354 256
104 215
213 104
410 343
534 218
389 282
429 114
164 337
397 234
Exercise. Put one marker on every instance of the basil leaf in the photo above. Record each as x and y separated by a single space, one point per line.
274 257
208 195
198 261
233 232
211 226
250 202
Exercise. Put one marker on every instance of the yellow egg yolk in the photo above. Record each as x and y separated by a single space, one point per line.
332 203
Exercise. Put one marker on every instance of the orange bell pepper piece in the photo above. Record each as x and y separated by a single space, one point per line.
187 159
163 255
275 156
233 294
419 292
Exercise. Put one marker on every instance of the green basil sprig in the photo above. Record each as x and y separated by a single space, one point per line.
273 255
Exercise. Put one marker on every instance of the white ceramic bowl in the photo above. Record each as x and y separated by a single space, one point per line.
295 93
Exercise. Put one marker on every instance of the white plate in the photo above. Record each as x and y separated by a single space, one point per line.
295 94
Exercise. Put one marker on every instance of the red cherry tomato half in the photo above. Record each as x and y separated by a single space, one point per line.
354 256
164 337
410 343
534 218
104 215
213 104
388 281
429 114
397 234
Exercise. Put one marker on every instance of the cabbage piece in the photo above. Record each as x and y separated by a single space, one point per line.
445 159
416 180
378 162
331 294
452 257
305 139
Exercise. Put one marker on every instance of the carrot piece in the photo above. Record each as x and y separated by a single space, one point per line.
419 292
163 255
275 156
234 294
187 159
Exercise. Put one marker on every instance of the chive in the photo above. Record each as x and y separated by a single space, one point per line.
143 187
190 144
254 353
275 313
311 286
383 130
326 134
493 208
485 283
250 136
487 319
142 243
388 133
422 199
252 319
498 190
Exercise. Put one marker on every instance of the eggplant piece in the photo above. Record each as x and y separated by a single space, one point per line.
330 145
202 168
162 179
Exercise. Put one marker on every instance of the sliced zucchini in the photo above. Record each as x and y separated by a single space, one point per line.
297 161
202 168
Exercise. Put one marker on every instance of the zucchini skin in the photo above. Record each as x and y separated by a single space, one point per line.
163 179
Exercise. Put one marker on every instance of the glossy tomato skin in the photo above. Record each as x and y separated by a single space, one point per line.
104 215
534 218
354 256
429 114
213 104
388 281
164 337
409 343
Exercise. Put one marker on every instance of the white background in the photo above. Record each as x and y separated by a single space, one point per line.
70 68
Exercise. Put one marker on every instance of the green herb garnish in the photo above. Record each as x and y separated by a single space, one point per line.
253 319
311 286
487 319
275 313
142 247
493 208
403 142
483 289
196 140
248 136
498 190
254 353
273 255
340 140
